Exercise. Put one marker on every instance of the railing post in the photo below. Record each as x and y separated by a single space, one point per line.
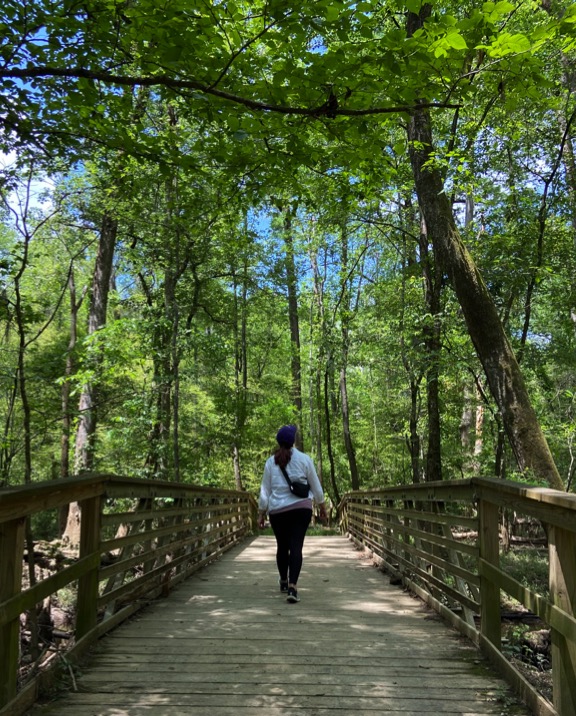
561 547
88 584
388 530
253 515
489 592
11 552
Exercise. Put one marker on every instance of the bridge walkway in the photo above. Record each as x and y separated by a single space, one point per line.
226 643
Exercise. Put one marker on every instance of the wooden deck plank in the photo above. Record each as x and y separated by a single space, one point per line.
226 642
269 710
210 703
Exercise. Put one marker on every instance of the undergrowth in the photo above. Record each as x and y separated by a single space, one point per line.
529 566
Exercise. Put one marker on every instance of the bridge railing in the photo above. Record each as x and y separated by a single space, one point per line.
138 539
443 541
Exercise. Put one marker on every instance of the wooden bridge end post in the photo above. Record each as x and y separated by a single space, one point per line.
489 544
562 546
86 616
11 549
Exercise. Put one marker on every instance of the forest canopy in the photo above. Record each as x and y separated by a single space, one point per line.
219 217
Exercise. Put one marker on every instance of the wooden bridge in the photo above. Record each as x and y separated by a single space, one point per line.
215 635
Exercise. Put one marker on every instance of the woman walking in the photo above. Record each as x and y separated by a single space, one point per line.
289 482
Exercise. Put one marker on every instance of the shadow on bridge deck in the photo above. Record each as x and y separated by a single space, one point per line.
226 643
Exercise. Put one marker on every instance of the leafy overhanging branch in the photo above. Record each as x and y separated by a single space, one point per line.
329 109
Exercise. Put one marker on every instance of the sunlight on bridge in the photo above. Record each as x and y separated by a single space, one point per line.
226 642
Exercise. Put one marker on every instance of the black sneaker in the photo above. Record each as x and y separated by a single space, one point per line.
292 595
283 585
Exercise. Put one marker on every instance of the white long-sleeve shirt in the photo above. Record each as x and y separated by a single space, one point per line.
275 493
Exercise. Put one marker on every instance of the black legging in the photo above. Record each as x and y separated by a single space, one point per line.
290 529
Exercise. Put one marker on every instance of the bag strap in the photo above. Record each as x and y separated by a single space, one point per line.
288 480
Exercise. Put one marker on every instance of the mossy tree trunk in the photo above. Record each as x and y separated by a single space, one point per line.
484 326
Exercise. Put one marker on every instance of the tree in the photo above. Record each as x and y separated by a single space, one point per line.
361 74
97 315
292 289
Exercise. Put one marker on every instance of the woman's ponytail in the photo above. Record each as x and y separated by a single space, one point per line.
282 456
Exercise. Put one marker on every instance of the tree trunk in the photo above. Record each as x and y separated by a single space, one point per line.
500 457
68 371
328 429
22 383
479 432
432 343
570 166
315 399
414 444
236 462
319 360
472 416
165 352
84 456
240 369
317 395
466 420
175 353
569 82
350 452
413 441
27 426
7 447
484 326
65 396
292 286
346 307
85 434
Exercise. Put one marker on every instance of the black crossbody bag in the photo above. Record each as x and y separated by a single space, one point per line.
300 489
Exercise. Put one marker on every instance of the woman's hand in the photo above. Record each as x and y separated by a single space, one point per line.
261 519
323 513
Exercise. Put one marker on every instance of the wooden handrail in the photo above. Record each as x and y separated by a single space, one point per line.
411 530
152 547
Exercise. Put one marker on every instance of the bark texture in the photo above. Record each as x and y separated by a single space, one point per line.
96 319
84 450
433 344
484 326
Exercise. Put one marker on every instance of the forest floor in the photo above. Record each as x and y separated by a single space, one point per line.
525 638
540 680
526 644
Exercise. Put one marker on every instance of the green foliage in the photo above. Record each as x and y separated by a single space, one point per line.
529 566
191 124
45 525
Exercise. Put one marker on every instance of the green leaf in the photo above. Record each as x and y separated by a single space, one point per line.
507 44
456 41
332 13
414 6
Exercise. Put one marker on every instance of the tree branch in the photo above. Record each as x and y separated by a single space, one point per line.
324 110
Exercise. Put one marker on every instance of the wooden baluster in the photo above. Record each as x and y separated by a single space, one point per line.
253 512
11 552
489 592
88 584
562 547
